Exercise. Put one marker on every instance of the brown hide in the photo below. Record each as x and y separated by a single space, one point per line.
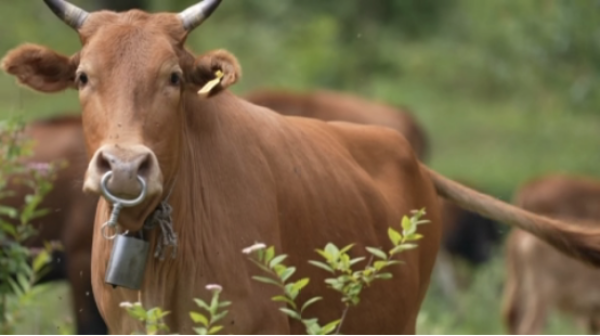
466 235
540 278
329 105
71 216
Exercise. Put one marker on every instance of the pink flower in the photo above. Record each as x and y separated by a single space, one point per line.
40 167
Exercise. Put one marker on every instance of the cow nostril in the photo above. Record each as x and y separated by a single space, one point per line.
103 164
144 167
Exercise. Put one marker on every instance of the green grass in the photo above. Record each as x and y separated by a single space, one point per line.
477 311
51 313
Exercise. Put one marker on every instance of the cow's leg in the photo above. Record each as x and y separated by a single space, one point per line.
594 324
89 321
444 272
534 309
77 238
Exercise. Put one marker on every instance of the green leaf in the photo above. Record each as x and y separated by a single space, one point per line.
8 228
346 249
214 303
287 273
281 298
310 302
277 260
330 327
332 250
215 329
199 318
41 260
202 304
377 252
321 265
224 304
15 287
266 280
384 276
395 236
406 224
290 291
402 247
151 329
291 313
261 266
137 312
8 212
200 331
379 264
414 236
219 316
324 254
269 254
298 285
356 260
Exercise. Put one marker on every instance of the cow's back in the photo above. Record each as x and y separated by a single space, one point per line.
336 106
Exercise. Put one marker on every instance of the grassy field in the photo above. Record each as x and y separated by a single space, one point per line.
481 132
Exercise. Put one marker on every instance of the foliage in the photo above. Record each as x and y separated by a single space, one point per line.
17 274
152 319
348 283
207 324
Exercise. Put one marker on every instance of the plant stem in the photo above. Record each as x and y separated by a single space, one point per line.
339 327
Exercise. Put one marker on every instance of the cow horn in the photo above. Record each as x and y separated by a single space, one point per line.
69 13
193 16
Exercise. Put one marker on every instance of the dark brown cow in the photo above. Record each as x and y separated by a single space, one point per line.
329 105
71 214
236 173
539 278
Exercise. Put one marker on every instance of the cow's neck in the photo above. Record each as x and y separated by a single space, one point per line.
201 139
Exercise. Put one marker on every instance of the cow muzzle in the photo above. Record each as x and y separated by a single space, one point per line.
130 170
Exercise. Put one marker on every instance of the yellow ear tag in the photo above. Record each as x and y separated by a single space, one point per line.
211 84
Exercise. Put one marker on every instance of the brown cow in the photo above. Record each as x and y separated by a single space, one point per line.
236 173
71 214
336 106
539 277
466 235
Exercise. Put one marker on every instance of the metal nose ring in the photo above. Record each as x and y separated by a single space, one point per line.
124 202
119 203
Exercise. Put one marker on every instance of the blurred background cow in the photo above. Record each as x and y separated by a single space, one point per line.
539 279
506 92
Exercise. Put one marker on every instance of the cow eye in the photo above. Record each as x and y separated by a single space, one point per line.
175 79
82 79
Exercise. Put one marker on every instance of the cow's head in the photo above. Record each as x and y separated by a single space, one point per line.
134 76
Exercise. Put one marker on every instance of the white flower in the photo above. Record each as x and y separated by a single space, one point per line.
125 304
214 287
255 247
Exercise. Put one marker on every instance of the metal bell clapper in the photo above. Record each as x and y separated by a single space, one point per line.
127 261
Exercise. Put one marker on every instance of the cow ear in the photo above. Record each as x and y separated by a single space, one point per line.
214 72
40 68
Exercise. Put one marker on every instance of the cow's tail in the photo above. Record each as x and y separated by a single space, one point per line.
511 306
576 241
